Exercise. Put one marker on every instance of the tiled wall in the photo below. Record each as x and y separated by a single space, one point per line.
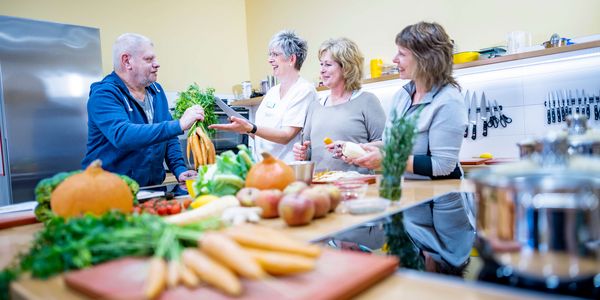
521 87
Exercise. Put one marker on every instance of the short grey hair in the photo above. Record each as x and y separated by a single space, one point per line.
127 43
290 43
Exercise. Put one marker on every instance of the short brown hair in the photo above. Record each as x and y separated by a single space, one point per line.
432 49
345 52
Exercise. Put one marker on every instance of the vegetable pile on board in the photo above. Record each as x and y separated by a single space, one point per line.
247 251
93 190
199 143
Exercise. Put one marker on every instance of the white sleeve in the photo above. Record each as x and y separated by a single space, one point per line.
295 113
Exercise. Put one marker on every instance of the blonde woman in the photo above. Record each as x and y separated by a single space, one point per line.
346 114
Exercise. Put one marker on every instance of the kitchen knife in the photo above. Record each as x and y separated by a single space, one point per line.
564 105
596 110
558 108
552 110
484 114
228 110
547 106
571 102
587 100
578 101
473 116
467 107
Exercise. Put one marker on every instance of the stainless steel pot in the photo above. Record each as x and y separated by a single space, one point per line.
542 223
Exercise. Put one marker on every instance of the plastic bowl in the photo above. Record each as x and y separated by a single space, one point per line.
352 189
464 57
367 206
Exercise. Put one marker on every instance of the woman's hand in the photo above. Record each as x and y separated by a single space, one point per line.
335 148
238 125
301 151
371 160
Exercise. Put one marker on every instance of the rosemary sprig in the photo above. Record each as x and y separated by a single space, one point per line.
398 145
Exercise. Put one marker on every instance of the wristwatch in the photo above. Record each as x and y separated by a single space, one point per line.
253 130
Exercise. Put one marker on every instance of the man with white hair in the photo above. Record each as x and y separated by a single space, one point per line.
129 125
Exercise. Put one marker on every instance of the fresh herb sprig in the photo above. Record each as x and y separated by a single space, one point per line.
192 96
398 145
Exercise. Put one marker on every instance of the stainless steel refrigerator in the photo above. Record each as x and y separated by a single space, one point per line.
45 74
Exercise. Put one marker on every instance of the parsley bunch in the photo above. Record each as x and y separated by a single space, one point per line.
192 96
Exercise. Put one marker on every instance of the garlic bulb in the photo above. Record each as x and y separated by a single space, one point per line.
353 150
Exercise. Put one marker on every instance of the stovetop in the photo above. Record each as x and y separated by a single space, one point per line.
440 236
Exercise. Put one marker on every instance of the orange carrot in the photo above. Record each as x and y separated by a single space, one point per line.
270 239
281 263
157 275
227 252
188 277
212 272
173 271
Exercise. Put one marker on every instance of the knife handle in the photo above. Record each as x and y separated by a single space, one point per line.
474 134
485 127
466 131
558 115
553 115
596 112
587 111
549 116
564 113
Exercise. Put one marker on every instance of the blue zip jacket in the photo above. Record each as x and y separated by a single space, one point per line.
119 133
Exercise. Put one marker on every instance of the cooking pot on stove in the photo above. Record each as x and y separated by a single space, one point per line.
540 218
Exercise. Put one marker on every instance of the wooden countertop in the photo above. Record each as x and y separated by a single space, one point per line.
402 284
483 62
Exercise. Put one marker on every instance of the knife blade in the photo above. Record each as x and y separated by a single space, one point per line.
468 108
484 114
473 116
228 110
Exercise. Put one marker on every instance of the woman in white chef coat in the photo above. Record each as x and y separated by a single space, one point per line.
281 114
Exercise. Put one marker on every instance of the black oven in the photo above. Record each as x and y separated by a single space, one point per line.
223 140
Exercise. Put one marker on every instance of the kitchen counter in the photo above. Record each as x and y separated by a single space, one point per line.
403 283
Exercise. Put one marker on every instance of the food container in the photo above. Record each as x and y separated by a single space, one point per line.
367 206
464 57
540 218
303 170
352 189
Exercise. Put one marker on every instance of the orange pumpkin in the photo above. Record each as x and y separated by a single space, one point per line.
92 191
270 173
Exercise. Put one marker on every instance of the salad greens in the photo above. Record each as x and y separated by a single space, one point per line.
192 96
227 175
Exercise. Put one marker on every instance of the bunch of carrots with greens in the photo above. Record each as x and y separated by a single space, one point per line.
200 148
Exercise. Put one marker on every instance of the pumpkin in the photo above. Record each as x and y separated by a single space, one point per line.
270 173
92 191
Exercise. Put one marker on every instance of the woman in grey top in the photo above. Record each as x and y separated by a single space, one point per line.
425 57
346 114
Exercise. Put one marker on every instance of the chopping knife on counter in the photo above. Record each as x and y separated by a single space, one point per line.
596 110
473 116
484 114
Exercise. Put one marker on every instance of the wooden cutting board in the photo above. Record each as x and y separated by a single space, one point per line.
339 275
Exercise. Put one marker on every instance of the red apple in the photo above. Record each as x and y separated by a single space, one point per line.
296 210
321 199
268 200
295 187
334 195
248 196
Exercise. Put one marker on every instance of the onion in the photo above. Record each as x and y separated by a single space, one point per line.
270 173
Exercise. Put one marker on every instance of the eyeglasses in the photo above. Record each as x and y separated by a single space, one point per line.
274 54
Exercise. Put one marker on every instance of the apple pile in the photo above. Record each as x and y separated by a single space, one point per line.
297 205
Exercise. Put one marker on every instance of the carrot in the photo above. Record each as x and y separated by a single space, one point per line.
229 253
269 239
191 141
156 281
281 263
198 149
212 272
210 147
173 271
188 150
188 277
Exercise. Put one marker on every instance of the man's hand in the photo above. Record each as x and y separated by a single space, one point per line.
191 115
189 174
238 125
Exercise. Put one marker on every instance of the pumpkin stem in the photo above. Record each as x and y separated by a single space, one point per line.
267 157
96 163
94 168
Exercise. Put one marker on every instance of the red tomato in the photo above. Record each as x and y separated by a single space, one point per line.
150 210
148 204
137 210
174 209
162 210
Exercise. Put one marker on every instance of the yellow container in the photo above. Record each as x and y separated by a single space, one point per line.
464 57
376 67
